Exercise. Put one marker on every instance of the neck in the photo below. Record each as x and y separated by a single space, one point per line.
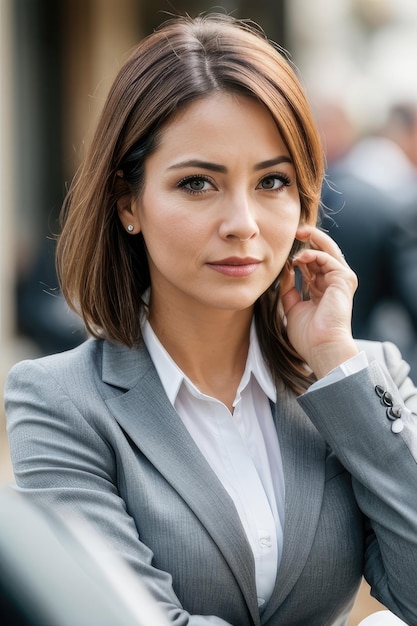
210 348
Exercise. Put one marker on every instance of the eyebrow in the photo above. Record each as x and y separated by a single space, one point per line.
263 165
215 167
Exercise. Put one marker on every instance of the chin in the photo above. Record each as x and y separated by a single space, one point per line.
237 302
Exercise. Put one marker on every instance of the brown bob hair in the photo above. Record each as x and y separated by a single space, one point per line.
103 270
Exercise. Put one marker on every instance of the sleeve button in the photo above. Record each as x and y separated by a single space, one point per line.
393 412
387 399
379 391
397 426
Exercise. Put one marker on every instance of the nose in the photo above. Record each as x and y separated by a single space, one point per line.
239 219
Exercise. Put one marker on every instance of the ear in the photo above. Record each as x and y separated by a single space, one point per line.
128 214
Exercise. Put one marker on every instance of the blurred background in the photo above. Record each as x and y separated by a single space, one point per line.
358 62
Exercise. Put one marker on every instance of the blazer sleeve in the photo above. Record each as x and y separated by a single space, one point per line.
62 460
351 415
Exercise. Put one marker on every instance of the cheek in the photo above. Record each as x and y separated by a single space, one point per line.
172 237
169 239
163 217
281 231
167 229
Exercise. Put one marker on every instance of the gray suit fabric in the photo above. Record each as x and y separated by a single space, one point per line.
92 430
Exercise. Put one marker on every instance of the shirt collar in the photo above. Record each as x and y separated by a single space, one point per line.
172 376
256 365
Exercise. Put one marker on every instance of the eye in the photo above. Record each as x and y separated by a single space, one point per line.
195 184
274 182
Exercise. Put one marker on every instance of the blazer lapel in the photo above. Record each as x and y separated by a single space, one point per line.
147 416
303 454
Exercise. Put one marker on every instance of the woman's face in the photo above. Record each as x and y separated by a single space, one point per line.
219 207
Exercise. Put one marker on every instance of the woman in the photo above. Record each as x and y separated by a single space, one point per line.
222 428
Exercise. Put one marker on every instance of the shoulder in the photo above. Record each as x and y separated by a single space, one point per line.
373 349
59 364
383 351
97 365
388 355
72 371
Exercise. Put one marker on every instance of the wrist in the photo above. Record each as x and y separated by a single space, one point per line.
327 357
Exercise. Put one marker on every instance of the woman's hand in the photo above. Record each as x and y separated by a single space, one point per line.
320 328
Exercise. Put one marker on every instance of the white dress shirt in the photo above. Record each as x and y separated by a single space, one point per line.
241 447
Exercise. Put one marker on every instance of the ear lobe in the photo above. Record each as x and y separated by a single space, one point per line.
128 215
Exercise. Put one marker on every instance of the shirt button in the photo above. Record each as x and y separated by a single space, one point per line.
265 542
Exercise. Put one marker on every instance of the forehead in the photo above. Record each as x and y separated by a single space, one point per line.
220 121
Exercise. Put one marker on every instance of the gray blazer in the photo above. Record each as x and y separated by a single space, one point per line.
92 430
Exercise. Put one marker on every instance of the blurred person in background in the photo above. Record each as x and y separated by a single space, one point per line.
401 127
386 158
370 197
237 447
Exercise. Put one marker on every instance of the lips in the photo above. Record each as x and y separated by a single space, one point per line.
235 267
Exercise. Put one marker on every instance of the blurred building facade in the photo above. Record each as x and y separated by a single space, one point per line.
359 52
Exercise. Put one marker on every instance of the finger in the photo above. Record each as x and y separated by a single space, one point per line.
313 261
320 269
319 240
289 294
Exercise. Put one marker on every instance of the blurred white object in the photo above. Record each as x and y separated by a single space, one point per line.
382 618
59 572
371 158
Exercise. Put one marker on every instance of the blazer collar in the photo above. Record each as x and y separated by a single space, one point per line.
146 414
148 417
121 366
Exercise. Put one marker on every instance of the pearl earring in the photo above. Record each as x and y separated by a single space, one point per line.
130 228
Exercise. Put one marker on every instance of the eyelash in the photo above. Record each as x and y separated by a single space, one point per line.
188 179
283 178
